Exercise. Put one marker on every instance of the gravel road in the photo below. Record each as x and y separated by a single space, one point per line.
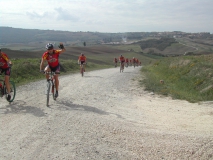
103 115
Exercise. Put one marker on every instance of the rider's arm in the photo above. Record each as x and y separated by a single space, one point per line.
42 64
62 50
79 58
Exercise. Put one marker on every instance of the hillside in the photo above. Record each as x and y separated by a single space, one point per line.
18 35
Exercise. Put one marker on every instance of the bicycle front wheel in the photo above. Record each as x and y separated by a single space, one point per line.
54 91
12 91
48 92
82 71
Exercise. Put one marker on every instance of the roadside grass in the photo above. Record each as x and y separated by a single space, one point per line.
185 77
27 70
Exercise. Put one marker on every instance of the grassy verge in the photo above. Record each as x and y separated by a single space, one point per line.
27 70
186 77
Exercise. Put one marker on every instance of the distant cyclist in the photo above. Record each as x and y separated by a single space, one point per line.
134 61
122 60
130 62
52 58
127 62
82 60
115 61
5 67
137 62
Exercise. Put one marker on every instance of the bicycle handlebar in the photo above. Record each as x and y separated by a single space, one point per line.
50 72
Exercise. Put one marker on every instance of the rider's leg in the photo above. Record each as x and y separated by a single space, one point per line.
47 69
56 82
84 67
81 67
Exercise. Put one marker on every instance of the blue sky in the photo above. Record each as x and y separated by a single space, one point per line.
109 15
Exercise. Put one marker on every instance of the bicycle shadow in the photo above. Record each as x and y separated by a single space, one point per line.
20 107
126 72
67 105
93 77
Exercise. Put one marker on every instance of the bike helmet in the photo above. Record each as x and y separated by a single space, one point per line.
49 46
121 55
82 54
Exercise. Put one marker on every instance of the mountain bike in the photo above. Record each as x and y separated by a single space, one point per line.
115 64
3 90
82 70
121 66
51 85
134 64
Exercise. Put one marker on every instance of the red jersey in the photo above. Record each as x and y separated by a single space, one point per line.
4 61
82 58
122 59
52 59
134 60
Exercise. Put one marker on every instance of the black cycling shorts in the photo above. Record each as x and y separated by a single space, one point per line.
55 69
6 71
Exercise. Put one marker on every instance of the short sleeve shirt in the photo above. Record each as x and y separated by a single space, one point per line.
4 61
52 59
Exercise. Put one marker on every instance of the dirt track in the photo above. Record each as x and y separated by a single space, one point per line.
104 115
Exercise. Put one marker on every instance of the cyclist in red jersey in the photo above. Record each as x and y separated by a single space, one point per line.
5 66
130 62
115 61
136 60
52 58
133 60
122 60
127 61
82 60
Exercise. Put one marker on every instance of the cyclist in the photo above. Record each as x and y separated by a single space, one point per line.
134 61
52 58
130 62
82 60
137 61
115 61
122 60
5 66
127 61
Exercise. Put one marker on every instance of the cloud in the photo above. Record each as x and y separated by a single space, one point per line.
110 15
66 15
35 15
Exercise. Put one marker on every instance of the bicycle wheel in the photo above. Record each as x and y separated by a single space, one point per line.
12 91
53 91
48 92
82 71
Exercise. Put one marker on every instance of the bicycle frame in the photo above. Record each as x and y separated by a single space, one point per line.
122 66
82 69
51 83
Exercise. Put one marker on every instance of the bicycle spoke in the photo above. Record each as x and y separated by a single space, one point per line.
48 92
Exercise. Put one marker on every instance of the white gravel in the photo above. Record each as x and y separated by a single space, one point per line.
103 115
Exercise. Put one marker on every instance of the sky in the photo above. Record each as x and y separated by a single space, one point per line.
109 16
